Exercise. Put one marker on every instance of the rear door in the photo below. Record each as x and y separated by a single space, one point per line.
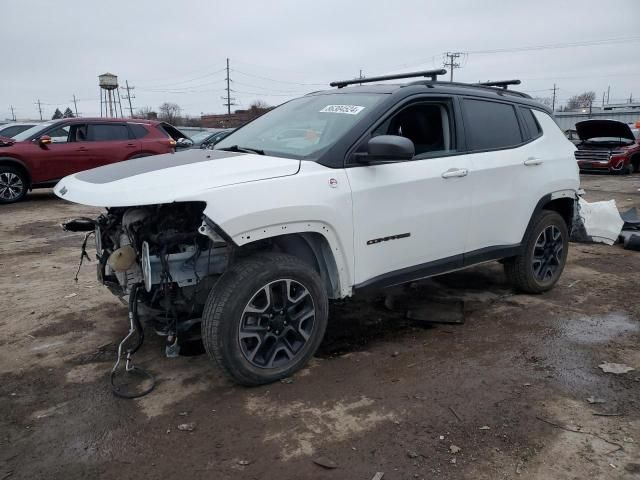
111 142
505 170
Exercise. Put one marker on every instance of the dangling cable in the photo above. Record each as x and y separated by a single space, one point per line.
134 327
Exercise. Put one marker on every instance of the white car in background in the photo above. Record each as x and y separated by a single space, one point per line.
9 130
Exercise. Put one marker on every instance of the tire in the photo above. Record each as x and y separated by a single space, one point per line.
635 165
13 184
252 337
539 267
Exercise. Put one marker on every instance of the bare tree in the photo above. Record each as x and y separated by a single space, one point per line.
259 105
581 101
146 112
169 112
546 101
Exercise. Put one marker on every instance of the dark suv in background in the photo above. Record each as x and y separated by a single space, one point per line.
42 155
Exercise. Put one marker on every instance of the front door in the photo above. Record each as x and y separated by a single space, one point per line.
68 153
412 217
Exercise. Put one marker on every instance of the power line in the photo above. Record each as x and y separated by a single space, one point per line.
278 81
451 63
550 46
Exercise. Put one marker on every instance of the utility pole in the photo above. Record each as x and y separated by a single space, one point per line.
129 96
360 77
13 114
39 108
228 98
553 101
451 62
631 98
75 104
603 94
608 92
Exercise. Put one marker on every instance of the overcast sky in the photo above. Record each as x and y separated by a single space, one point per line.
176 50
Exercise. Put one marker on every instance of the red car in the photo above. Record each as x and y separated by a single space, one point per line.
42 155
607 146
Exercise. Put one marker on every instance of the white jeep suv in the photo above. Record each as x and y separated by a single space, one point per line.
339 190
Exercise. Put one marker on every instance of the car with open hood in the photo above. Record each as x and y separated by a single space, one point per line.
607 146
330 194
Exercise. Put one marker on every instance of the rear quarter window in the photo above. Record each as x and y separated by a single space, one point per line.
531 124
490 125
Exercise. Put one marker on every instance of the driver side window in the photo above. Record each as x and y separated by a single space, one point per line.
427 125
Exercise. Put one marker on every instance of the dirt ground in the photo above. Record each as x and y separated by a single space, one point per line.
502 396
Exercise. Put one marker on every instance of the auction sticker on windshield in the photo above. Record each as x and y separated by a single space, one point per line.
348 109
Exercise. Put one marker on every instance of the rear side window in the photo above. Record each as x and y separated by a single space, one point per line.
108 132
490 125
138 130
530 122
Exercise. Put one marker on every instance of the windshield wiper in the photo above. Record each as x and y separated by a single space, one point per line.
236 148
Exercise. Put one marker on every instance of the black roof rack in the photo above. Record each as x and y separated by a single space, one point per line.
426 73
501 83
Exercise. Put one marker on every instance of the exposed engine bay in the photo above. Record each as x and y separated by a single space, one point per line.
170 256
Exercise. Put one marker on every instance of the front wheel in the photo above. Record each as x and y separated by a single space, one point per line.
545 248
13 184
265 318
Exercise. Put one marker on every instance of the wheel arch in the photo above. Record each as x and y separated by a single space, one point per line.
14 162
312 248
562 202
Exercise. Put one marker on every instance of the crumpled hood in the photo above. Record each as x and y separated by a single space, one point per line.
603 128
170 177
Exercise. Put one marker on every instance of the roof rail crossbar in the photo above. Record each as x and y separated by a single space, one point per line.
426 73
501 83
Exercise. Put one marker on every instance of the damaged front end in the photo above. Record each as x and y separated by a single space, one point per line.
170 255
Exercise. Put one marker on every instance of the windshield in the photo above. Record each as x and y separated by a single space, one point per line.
198 136
303 127
28 133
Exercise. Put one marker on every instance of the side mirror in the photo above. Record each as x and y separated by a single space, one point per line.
184 143
385 148
45 140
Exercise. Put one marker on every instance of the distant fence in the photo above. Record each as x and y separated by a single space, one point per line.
568 120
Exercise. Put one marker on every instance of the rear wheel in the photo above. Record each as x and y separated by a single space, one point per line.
13 184
265 318
545 245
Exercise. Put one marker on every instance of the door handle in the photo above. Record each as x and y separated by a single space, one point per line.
131 145
532 161
82 149
455 172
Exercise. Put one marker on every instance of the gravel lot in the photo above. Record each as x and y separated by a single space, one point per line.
507 389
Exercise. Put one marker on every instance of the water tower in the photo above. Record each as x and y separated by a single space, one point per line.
109 95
